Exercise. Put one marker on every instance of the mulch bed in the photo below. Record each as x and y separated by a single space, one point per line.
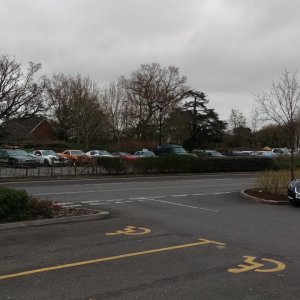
266 195
61 212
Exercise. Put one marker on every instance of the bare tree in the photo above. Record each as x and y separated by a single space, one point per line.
153 92
236 120
115 104
60 92
77 107
21 96
254 122
280 104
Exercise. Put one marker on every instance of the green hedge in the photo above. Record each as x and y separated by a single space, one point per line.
16 205
184 164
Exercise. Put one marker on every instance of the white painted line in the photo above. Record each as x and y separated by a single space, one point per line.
195 207
185 195
99 203
113 200
206 194
156 197
64 203
73 205
130 189
138 198
221 193
90 201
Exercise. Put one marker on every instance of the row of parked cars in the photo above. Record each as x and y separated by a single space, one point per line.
19 157
47 157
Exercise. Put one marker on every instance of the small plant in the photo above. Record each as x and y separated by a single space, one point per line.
40 208
16 205
275 182
13 205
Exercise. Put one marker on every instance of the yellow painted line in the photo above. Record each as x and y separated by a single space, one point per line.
99 260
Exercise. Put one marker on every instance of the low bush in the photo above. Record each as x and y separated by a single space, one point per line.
184 164
17 205
275 182
112 165
14 205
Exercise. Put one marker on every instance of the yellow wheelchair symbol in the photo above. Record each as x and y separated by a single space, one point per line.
256 266
131 230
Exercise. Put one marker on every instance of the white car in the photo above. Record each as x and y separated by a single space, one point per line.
49 157
145 153
99 153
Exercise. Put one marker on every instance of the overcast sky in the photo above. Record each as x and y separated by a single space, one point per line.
229 49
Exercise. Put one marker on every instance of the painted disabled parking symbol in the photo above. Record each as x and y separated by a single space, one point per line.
131 230
252 265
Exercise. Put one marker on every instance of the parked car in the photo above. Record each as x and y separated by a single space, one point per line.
280 151
207 153
17 158
124 155
99 153
49 158
171 149
294 191
235 153
75 156
145 153
262 153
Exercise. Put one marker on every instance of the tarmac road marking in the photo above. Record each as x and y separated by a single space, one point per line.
252 265
131 230
189 206
129 189
104 259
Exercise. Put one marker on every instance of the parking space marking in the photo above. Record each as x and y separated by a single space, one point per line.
207 194
189 206
131 230
104 259
252 265
142 199
130 189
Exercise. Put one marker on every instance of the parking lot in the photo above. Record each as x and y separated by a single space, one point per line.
172 237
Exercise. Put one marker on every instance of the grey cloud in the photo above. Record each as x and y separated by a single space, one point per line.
228 48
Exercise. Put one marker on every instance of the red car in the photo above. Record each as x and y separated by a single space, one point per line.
124 155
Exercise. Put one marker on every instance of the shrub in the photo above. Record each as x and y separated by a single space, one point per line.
40 208
275 182
112 165
185 164
16 205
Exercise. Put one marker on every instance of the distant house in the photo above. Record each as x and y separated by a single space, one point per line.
33 129
42 131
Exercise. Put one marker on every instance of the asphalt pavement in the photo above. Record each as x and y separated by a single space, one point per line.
168 237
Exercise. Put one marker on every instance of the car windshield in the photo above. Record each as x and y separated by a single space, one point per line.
179 150
148 154
216 153
17 152
77 152
103 152
124 154
48 152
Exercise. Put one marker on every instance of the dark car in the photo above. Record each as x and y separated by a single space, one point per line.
17 158
207 153
170 149
294 191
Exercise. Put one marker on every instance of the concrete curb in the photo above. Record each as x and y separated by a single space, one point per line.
274 202
98 216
